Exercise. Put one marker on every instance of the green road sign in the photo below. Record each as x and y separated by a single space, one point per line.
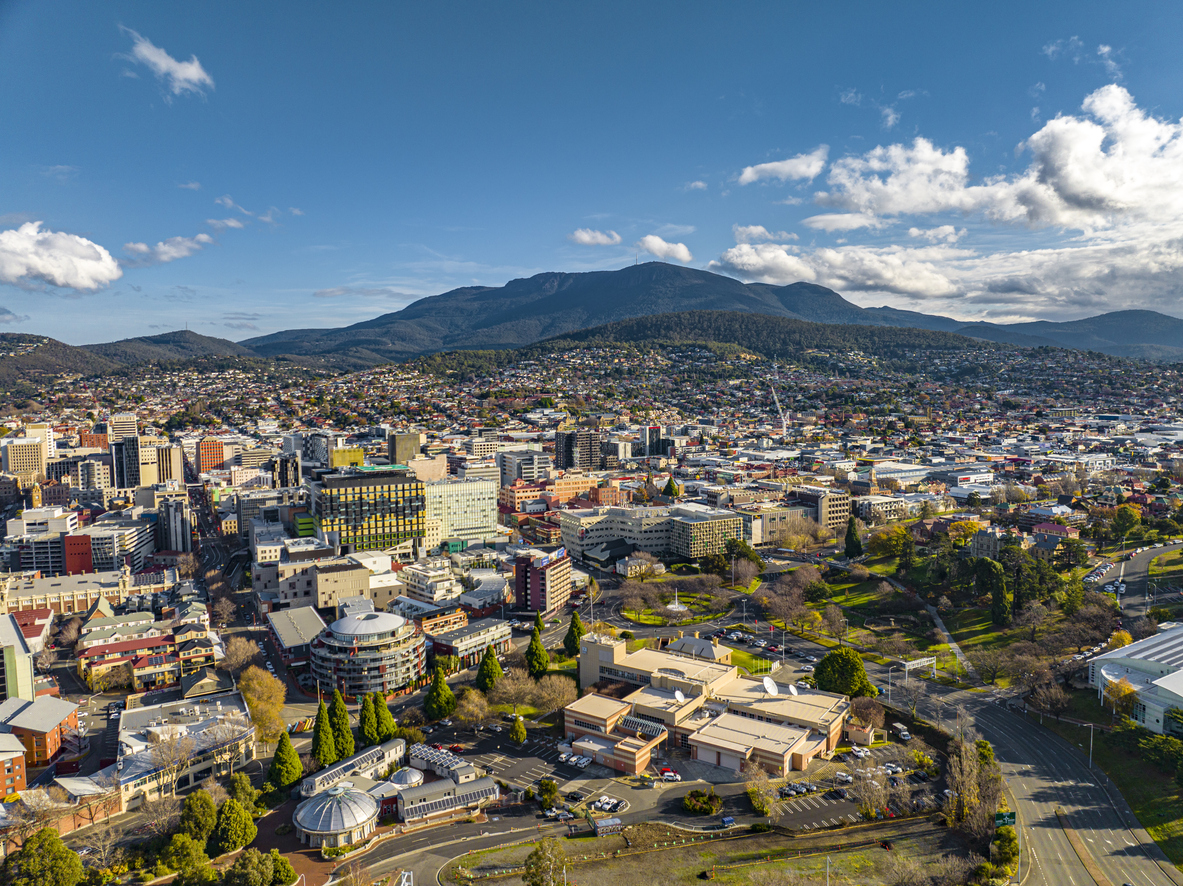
1002 818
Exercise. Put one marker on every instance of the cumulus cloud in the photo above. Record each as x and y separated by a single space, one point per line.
655 246
190 186
30 257
803 166
695 186
843 221
177 76
165 250
945 233
757 233
221 224
591 237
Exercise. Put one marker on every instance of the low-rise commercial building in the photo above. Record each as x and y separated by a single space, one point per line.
468 643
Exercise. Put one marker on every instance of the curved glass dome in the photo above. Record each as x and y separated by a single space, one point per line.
337 810
367 623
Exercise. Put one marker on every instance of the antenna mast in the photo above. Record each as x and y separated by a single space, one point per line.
784 425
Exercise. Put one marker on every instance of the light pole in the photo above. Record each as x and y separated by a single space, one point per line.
889 670
1090 745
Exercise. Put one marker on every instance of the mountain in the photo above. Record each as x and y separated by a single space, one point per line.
27 359
168 347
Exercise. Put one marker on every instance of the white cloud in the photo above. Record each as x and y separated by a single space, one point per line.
1072 48
30 256
756 233
843 221
62 173
890 117
850 97
695 186
945 233
270 216
1112 68
226 202
803 166
179 77
190 186
294 211
655 246
166 250
590 237
221 224
675 230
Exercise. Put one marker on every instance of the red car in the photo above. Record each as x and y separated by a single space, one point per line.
436 745
456 748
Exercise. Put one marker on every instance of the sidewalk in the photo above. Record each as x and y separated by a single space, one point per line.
939 622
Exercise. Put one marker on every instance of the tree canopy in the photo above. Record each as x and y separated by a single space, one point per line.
342 731
44 860
286 768
537 658
842 671
324 748
440 701
489 671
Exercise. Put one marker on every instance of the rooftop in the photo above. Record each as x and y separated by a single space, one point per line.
296 627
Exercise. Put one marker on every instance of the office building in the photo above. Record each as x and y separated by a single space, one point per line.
542 582
365 509
368 652
684 531
832 505
520 464
469 642
24 458
121 425
402 448
460 509
285 471
431 581
16 661
176 526
211 455
266 505
579 449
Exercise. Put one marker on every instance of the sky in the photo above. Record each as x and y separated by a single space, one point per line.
242 168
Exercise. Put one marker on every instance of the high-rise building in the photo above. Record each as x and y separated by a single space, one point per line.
833 505
170 464
542 582
176 525
25 458
285 470
401 448
578 449
43 432
16 662
211 455
651 439
140 461
120 425
366 509
520 464
464 509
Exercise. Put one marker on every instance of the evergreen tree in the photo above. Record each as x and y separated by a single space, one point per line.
517 732
574 633
282 872
489 672
671 489
386 724
234 829
368 723
842 671
991 580
537 658
44 860
907 555
342 731
198 816
324 747
286 768
539 624
854 545
252 868
183 853
440 700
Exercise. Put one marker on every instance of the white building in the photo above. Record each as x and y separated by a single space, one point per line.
464 509
1154 668
431 581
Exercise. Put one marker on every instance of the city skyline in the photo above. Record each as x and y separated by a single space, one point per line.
242 172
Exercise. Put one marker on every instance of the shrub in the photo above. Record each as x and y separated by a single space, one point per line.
700 802
759 800
761 827
627 635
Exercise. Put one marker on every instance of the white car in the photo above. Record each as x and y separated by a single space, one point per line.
807 668
563 758
845 777
584 762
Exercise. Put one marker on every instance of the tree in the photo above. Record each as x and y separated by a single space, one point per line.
854 545
554 691
517 732
868 711
240 652
907 556
224 610
45 660
282 872
285 765
264 696
198 816
324 748
386 725
1119 639
962 531
1051 698
161 815
367 723
252 868
70 632
515 688
988 662
989 580
539 624
1121 697
201 876
545 866
234 828
490 671
473 708
842 671
170 748
835 622
548 792
243 791
440 700
103 842
1125 520
183 853
817 591
1073 596
1033 617
888 542
342 731
537 658
43 860
574 632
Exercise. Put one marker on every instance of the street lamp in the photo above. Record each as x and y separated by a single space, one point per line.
889 670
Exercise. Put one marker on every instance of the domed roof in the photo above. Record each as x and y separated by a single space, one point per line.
367 623
407 777
337 810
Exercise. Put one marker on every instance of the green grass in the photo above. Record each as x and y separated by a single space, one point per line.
751 663
972 627
1152 795
882 565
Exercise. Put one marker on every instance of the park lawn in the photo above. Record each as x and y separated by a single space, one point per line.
1155 800
1168 565
528 711
882 565
972 627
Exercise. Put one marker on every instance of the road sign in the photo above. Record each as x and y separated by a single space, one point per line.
1003 818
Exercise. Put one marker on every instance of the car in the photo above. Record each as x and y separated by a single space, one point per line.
456 748
551 813
563 758
894 781
574 796
445 723
842 793
671 776
772 647
949 793
807 669
495 727
845 777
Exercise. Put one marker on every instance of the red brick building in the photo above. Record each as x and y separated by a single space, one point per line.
12 760
42 725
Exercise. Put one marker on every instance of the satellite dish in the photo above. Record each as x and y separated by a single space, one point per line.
792 690
770 686
679 696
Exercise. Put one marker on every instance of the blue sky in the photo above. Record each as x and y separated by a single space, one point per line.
245 168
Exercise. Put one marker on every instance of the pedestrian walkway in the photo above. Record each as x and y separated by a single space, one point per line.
970 671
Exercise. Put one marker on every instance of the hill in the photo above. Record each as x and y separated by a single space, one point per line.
26 360
778 338
168 347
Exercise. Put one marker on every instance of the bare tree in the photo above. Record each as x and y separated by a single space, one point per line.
835 622
36 809
188 565
988 662
70 632
1033 617
473 708
911 693
162 814
226 736
868 712
240 653
170 749
516 687
45 660
118 677
756 781
218 794
554 691
103 842
224 610
745 571
648 565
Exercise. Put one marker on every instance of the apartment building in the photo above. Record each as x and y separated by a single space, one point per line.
211 455
460 509
431 581
367 652
368 508
684 531
24 458
522 464
542 582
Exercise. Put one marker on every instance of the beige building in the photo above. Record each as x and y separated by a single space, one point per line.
686 531
990 542
25 458
833 505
